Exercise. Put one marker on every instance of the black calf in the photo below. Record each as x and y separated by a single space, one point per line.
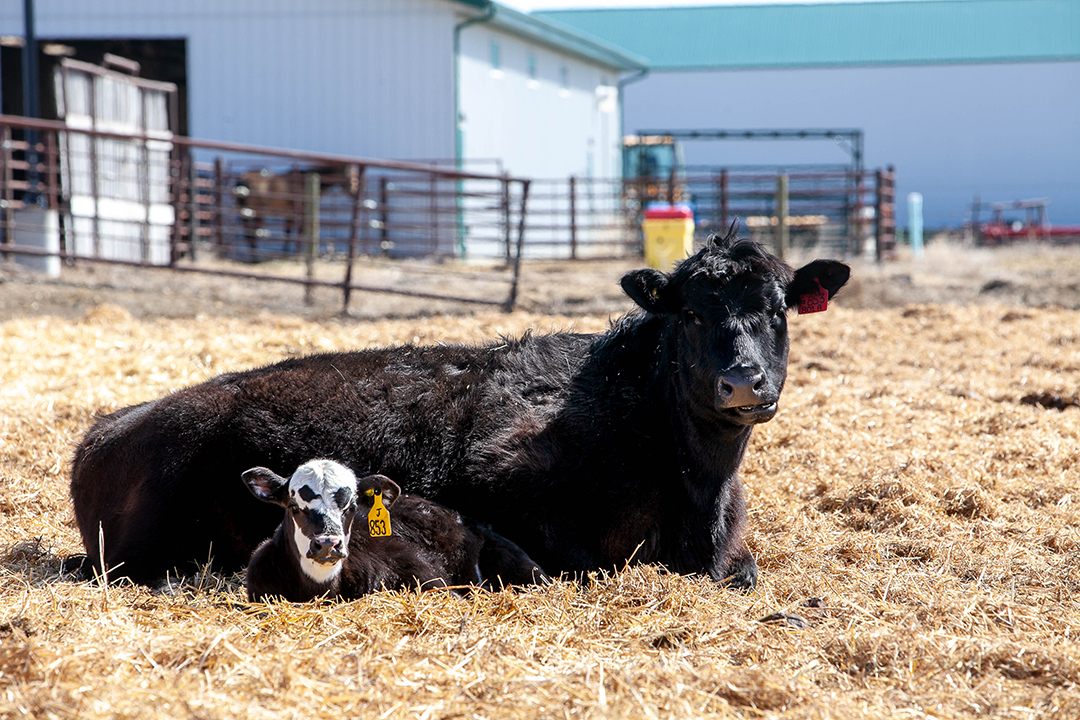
321 548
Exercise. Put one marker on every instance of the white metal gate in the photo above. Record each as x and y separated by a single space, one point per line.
117 189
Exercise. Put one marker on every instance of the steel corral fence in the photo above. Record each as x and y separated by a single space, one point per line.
73 195
70 195
830 209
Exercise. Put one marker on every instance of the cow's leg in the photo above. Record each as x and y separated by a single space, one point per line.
737 569
741 570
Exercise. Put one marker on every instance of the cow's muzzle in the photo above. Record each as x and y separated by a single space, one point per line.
327 549
745 397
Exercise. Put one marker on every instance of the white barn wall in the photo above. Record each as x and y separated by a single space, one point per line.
375 78
538 129
360 77
1007 131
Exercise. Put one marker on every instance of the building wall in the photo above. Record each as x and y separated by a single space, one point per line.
539 127
360 77
1004 131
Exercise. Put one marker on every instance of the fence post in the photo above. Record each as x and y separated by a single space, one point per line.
52 168
512 300
573 218
860 224
311 232
782 215
384 216
670 188
7 211
434 182
193 207
360 172
722 200
219 203
885 213
506 217
879 176
177 173
915 222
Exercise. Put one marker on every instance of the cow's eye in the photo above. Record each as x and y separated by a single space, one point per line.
691 317
779 319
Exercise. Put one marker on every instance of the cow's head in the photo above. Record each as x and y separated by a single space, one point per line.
320 500
724 314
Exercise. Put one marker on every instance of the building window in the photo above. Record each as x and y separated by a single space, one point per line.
530 69
496 61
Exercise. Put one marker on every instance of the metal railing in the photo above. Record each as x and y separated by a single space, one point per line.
832 209
73 195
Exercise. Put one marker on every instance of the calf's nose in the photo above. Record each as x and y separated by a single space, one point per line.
327 548
741 387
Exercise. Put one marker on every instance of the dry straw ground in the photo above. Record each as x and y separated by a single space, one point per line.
914 509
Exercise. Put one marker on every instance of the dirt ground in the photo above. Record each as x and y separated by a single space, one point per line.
914 508
948 273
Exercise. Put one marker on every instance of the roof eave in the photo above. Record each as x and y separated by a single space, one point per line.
478 4
563 38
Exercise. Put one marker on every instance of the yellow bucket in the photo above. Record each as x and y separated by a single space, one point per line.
669 236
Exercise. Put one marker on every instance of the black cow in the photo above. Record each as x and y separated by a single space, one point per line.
321 549
588 451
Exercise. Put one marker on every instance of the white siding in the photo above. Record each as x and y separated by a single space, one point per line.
537 127
541 129
361 77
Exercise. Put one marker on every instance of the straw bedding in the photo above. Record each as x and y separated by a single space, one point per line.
914 509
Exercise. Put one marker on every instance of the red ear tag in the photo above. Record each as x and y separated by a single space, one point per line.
815 301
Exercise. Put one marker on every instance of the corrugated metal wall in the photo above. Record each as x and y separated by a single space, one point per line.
362 77
1005 131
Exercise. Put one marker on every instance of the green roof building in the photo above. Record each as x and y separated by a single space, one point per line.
962 96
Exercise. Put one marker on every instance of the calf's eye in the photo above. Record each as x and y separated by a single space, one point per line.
691 317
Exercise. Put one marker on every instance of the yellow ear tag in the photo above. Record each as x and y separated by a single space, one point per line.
378 519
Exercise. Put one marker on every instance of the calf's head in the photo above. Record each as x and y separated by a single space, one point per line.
724 324
320 500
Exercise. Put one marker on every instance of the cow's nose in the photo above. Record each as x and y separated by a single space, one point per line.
741 387
327 548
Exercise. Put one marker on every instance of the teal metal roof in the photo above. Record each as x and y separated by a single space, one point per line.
917 32
556 35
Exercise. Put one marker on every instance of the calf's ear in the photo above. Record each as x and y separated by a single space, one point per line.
267 485
380 483
829 274
649 288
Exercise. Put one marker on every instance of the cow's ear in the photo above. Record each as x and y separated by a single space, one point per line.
379 483
829 274
649 288
267 485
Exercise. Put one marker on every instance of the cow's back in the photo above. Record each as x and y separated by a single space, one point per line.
159 482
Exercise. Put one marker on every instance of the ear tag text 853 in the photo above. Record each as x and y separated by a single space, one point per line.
815 300
378 518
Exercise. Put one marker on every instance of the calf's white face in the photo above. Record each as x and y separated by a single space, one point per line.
320 504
